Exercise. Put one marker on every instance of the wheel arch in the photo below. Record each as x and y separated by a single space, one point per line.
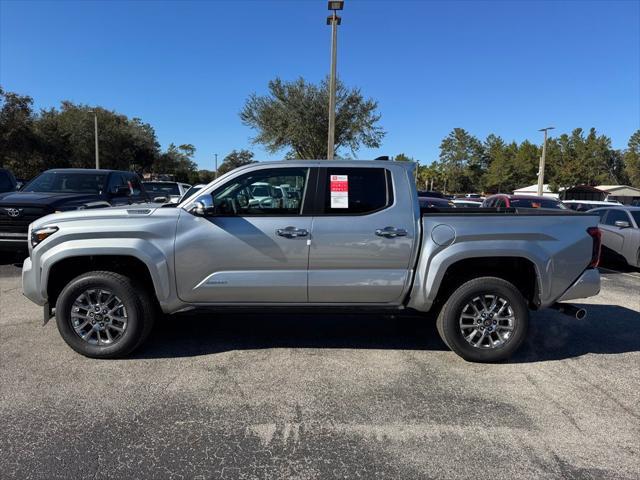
64 270
142 260
519 271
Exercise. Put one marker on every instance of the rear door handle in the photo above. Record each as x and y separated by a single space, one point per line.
292 232
391 232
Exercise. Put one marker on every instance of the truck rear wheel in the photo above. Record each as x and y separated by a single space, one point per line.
484 320
102 315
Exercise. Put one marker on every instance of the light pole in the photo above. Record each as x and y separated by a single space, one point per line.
333 20
215 175
95 118
542 160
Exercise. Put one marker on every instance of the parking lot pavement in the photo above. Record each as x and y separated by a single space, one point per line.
313 396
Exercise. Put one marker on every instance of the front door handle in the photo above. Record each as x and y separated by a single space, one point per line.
292 232
391 232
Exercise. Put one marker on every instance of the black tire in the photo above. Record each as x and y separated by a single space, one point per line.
449 327
140 307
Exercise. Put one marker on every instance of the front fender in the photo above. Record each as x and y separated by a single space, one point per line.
145 251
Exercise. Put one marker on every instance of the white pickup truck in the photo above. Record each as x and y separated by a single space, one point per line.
344 234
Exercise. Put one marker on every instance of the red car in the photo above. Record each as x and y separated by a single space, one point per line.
522 201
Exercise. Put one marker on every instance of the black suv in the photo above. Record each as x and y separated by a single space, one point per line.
62 190
8 182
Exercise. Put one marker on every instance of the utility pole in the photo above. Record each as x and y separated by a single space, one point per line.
333 20
95 118
542 160
216 172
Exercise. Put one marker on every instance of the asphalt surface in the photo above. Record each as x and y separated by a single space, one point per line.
321 397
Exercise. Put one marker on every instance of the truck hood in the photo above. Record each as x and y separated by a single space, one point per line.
121 214
45 199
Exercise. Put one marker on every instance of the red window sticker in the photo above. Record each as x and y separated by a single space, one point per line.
339 190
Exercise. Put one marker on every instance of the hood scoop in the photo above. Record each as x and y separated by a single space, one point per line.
139 211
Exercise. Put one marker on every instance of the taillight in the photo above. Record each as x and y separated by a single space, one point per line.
596 235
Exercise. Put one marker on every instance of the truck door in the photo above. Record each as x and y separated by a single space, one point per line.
252 247
362 236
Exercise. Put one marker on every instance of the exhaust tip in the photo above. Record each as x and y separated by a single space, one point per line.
581 314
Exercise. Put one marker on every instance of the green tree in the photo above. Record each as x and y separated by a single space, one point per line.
205 176
237 158
430 177
294 117
632 159
178 160
18 142
462 160
501 175
578 159
401 157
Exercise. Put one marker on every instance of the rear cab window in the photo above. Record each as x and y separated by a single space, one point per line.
355 191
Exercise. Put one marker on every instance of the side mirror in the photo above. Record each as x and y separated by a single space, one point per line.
622 224
160 199
203 206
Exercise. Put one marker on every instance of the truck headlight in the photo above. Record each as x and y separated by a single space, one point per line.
39 234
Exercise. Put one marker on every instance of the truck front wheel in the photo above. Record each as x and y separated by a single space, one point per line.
103 315
484 320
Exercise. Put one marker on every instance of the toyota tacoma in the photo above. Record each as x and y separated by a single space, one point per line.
348 234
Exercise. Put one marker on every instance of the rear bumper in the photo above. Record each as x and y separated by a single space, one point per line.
31 284
587 285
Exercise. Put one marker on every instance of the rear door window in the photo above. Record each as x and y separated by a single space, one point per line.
615 216
356 191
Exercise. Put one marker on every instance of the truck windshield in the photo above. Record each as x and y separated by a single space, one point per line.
167 188
67 182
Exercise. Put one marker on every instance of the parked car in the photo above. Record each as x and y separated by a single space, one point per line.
428 202
522 201
430 194
356 241
620 228
192 191
62 190
8 182
166 192
474 195
460 203
586 205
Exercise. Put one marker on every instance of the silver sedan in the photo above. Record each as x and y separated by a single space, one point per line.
620 228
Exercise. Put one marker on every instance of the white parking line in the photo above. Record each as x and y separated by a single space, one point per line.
608 270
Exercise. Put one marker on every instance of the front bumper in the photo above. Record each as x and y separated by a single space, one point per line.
13 242
31 283
587 285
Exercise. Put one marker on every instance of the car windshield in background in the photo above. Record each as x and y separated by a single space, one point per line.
168 188
636 216
190 192
67 182
536 203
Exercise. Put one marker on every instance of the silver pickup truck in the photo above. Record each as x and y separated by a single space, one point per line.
345 234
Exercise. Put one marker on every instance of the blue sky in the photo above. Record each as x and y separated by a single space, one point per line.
187 67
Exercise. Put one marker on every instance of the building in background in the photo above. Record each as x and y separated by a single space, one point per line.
621 193
583 192
533 190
